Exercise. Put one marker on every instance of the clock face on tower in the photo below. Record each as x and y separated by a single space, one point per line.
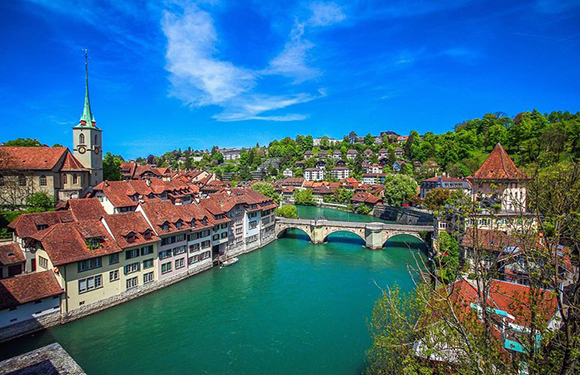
96 149
82 149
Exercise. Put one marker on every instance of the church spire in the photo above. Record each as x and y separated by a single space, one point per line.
87 119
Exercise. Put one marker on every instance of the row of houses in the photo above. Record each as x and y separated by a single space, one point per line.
81 257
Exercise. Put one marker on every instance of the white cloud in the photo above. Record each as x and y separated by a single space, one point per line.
293 60
199 77
324 14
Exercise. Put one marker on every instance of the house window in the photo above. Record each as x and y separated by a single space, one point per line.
164 254
90 283
81 139
224 234
75 178
194 247
64 178
42 180
2 182
132 282
147 263
148 277
179 250
166 267
179 263
131 268
205 255
147 250
21 181
114 258
114 275
89 264
130 254
43 262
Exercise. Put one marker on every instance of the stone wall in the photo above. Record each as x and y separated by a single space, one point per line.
29 326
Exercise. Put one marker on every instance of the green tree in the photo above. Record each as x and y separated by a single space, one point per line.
112 167
23 142
288 211
398 188
303 197
267 189
436 198
39 202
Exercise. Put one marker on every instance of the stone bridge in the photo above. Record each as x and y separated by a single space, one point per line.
374 234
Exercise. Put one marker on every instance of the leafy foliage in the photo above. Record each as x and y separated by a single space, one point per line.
266 189
112 167
288 211
398 188
303 197
40 201
23 142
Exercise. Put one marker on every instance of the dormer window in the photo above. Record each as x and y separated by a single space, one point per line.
192 224
131 237
179 224
41 227
147 234
165 226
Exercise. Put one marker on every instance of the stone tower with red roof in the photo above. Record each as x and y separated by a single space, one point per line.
499 179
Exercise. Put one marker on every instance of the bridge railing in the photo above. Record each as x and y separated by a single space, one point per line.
354 224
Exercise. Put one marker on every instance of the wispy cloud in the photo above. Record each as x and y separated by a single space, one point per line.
293 60
199 77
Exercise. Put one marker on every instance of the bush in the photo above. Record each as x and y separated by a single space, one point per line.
288 211
40 202
363 209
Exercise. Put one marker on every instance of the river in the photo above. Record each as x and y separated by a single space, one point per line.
288 308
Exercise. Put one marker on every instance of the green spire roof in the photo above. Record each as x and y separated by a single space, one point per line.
87 117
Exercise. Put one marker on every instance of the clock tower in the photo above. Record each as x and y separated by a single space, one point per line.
87 138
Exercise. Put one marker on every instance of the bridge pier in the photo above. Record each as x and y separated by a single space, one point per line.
374 236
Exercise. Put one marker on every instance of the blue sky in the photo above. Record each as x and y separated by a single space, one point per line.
170 74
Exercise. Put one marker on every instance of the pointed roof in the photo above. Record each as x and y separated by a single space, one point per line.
71 164
87 119
498 166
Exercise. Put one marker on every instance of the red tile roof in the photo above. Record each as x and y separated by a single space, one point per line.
71 164
86 209
36 158
67 242
498 166
26 288
10 253
28 224
508 297
121 225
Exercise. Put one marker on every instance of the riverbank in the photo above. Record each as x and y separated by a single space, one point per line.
57 318
289 307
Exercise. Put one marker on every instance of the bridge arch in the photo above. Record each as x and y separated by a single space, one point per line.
398 237
345 230
283 231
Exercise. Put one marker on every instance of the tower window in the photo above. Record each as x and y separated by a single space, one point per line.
42 180
22 181
75 178
81 139
96 139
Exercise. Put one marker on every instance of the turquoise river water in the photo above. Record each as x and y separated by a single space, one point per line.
288 308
